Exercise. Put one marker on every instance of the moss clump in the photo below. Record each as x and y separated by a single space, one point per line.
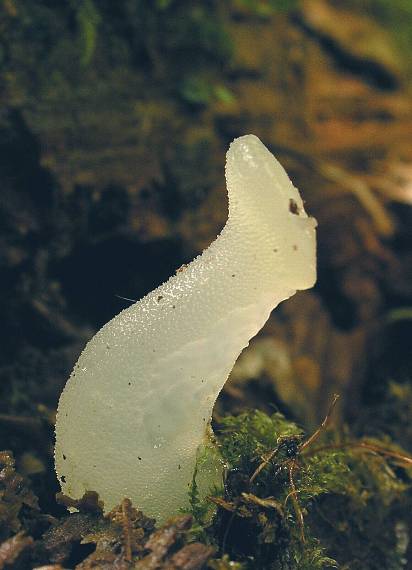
293 504
289 502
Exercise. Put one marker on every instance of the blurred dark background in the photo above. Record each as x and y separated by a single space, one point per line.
115 118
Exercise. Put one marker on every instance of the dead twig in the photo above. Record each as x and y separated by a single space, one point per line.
126 506
292 463
322 426
296 505
366 447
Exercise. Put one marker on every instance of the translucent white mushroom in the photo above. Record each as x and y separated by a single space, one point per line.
139 400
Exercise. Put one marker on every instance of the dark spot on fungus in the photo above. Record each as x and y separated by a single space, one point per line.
108 347
293 207
295 248
179 466
63 479
64 457
275 250
173 306
129 383
233 275
139 458
160 297
182 267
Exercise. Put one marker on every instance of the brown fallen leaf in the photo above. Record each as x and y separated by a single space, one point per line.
161 541
135 527
163 544
191 557
89 503
60 539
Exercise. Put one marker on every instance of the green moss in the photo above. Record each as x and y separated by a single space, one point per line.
244 438
88 20
344 494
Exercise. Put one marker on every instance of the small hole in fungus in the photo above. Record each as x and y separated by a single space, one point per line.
160 297
293 207
139 458
129 383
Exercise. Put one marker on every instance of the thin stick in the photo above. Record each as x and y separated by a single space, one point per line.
126 506
265 461
322 426
227 530
296 506
363 446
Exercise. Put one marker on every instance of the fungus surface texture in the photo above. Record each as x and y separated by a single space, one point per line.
139 401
